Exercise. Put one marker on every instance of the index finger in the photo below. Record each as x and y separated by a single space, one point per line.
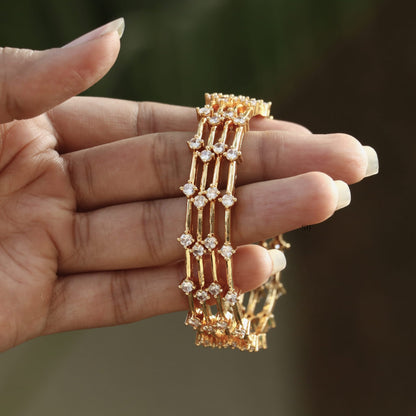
84 122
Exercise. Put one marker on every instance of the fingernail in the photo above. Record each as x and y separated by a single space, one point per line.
114 26
372 165
278 260
344 194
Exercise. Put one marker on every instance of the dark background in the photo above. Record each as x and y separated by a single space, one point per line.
345 341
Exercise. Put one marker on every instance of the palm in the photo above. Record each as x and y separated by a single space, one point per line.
37 206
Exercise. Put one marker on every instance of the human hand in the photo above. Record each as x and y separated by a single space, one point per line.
90 206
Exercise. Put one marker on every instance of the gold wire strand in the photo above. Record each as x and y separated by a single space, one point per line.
192 174
227 228
200 130
216 174
188 263
212 218
188 220
211 137
224 133
231 177
229 273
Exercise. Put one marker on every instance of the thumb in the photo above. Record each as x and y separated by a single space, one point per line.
32 82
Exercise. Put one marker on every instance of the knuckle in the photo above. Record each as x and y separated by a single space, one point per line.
152 225
81 237
270 147
12 103
121 296
57 304
81 174
145 117
167 165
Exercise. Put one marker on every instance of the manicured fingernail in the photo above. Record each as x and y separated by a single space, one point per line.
278 260
114 26
344 194
372 166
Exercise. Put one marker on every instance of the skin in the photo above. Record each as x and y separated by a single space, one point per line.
89 201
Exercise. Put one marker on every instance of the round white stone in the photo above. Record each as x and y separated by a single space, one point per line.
212 193
210 243
239 332
231 297
229 114
206 155
219 148
215 289
202 295
228 200
198 250
188 189
200 201
186 240
215 119
240 121
208 328
231 155
187 286
195 143
226 251
204 111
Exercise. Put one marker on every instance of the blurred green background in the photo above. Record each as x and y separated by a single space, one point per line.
345 341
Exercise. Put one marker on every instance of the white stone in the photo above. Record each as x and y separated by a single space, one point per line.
231 154
214 120
222 325
226 251
229 114
219 148
193 321
206 155
204 111
200 201
202 295
215 289
198 250
186 240
195 143
231 297
189 189
212 192
210 242
228 200
240 121
239 332
187 286
208 328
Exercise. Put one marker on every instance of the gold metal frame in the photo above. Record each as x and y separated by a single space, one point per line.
223 123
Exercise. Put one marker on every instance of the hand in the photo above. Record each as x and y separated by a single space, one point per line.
89 201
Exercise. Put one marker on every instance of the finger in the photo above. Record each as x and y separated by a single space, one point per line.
34 81
144 234
157 165
84 122
110 298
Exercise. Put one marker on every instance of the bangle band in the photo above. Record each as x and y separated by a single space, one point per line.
217 310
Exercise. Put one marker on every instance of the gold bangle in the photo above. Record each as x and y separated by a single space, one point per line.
222 124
